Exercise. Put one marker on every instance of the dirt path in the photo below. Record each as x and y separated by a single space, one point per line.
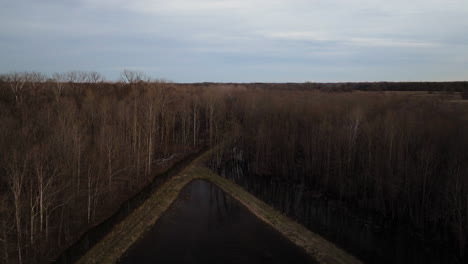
129 230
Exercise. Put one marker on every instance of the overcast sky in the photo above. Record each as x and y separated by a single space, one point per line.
239 41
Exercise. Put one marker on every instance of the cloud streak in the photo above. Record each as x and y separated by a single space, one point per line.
357 41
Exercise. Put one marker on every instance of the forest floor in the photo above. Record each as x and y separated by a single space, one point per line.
123 235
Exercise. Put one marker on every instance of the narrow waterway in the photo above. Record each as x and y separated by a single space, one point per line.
206 225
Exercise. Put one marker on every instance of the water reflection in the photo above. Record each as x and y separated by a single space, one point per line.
205 225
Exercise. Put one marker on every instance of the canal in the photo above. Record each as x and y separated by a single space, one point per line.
206 225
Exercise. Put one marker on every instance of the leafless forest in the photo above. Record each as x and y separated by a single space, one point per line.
73 147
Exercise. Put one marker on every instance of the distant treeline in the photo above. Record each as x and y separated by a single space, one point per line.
461 86
134 76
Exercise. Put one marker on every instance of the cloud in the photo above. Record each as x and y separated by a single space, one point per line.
356 41
301 35
381 42
190 40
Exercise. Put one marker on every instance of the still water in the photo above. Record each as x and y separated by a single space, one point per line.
206 225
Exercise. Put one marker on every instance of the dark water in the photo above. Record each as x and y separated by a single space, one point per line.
205 225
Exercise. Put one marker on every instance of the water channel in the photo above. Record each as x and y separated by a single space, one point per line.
206 225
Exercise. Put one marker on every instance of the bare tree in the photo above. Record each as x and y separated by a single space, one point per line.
72 77
47 189
76 76
83 77
5 227
35 78
212 98
59 80
17 81
3 78
133 77
15 176
95 77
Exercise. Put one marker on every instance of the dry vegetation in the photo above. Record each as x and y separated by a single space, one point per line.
74 147
402 158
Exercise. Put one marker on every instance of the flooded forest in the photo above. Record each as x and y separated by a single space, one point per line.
379 169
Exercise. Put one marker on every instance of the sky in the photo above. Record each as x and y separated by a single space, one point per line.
239 41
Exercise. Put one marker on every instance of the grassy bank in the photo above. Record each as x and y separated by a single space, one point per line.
128 231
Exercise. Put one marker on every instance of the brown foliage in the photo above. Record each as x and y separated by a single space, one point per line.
74 147
73 151
403 158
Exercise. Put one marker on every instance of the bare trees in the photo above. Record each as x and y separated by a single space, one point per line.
62 79
458 197
46 188
65 166
59 80
133 77
5 228
35 79
213 98
16 174
389 155
77 159
94 77
17 82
